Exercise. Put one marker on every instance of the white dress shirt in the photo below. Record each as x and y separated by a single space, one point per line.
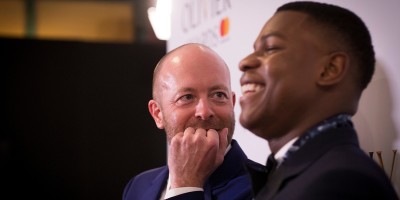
280 155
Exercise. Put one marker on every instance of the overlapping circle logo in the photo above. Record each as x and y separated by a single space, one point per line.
224 27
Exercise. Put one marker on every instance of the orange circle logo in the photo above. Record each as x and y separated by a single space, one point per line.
224 27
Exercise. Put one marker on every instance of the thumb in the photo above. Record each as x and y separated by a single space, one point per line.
223 141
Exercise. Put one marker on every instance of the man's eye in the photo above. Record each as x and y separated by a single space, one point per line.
220 96
186 98
271 49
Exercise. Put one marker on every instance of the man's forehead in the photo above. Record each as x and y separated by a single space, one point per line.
282 20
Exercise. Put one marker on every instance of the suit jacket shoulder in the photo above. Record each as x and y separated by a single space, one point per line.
230 181
330 166
147 185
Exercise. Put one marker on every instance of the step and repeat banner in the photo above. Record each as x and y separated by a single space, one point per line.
230 28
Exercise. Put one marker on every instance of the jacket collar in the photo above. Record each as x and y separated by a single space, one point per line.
224 173
305 156
233 165
157 185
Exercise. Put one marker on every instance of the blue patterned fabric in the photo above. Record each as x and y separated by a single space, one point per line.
338 121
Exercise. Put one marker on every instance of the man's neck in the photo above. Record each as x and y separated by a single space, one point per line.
275 144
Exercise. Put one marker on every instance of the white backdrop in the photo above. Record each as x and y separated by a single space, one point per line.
378 118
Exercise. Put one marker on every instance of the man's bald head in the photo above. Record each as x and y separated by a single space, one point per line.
184 56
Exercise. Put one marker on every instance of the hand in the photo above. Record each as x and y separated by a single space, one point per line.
194 154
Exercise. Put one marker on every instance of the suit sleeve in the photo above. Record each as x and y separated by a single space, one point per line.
197 195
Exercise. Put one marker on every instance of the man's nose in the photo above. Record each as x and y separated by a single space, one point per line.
249 62
204 110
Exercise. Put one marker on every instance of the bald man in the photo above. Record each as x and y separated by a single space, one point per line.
193 103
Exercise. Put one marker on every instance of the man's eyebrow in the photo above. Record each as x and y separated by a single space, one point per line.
215 87
219 87
186 89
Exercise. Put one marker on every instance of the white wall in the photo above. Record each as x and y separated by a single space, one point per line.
378 118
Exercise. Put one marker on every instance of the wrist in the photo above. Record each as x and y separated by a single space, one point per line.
179 182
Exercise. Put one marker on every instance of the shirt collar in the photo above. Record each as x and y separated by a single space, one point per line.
227 149
280 155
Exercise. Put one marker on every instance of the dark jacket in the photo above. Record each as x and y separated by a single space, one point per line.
330 166
230 181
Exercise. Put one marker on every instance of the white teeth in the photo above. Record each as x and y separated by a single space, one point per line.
250 87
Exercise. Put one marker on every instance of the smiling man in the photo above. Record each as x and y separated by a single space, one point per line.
193 102
301 86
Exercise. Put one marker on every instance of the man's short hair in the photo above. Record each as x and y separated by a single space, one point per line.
349 28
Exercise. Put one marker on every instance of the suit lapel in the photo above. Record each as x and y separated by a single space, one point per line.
218 179
157 186
282 174
303 158
229 169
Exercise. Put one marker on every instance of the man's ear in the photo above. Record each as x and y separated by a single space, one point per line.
233 98
334 70
156 113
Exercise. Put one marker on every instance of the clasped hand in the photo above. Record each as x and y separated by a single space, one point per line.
194 154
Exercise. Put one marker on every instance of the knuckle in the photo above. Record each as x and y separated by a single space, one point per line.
176 140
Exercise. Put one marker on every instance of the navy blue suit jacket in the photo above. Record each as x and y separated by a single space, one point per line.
329 166
229 181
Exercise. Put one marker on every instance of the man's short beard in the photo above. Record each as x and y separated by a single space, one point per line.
217 125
